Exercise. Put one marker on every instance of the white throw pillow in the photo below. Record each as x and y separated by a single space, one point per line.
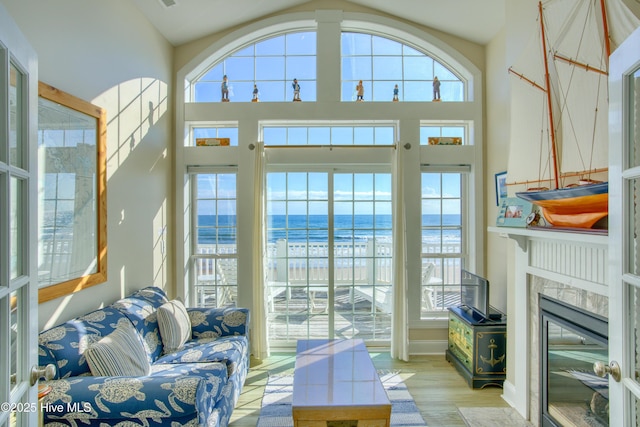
119 354
174 324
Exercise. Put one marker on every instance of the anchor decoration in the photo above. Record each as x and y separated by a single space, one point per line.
492 361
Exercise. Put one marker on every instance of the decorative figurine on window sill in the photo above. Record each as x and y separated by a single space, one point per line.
224 88
436 89
296 91
255 94
360 91
395 93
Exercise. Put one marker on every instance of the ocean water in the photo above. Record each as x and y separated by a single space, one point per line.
314 228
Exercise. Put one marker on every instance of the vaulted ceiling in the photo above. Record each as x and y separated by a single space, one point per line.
187 20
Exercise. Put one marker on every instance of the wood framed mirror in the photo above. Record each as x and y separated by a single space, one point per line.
72 194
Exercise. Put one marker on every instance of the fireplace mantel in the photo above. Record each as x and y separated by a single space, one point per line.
579 260
522 235
575 259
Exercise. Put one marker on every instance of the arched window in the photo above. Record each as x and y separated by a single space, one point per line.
269 66
382 63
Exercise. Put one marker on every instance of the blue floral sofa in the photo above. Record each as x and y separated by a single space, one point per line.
198 385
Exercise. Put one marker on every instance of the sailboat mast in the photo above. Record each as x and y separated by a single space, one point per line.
554 150
605 28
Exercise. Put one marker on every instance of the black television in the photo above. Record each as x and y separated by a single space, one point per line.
474 294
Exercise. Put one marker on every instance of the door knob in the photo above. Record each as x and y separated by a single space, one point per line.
48 373
601 369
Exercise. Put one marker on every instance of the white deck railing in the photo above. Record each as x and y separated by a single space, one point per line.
366 268
368 262
308 262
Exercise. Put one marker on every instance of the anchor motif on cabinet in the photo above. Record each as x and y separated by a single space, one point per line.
492 361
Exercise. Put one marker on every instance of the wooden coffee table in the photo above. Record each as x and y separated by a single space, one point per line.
335 383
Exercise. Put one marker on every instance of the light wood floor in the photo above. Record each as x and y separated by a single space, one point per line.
436 386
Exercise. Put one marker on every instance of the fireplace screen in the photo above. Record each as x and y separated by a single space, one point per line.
572 340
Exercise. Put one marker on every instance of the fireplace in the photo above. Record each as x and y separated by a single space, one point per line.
572 340
571 268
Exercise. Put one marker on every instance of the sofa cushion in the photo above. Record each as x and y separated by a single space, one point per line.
170 395
216 322
141 309
67 342
228 349
174 324
119 354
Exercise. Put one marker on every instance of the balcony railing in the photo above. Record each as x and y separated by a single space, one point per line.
365 266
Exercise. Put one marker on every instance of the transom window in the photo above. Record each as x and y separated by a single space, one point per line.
329 135
269 65
381 64
443 135
213 134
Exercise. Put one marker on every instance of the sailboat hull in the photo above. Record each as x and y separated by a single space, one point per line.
576 207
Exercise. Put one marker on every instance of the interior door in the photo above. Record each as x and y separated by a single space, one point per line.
18 240
624 230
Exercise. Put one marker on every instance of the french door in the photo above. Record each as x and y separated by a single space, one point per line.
329 255
624 234
18 278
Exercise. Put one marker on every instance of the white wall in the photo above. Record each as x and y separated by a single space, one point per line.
496 156
107 53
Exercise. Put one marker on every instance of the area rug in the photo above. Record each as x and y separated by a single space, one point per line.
276 402
493 417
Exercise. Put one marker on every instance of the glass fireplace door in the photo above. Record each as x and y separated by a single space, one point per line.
572 340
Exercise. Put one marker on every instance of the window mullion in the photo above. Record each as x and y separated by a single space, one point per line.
331 256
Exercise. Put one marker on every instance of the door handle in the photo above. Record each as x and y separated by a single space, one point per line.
48 373
601 369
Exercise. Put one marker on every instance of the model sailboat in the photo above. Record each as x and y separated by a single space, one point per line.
567 142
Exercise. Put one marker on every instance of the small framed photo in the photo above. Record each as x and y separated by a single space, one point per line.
513 212
501 187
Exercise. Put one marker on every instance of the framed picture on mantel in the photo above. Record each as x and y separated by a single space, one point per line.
513 212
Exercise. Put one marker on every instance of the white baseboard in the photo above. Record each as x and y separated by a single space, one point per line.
509 395
428 347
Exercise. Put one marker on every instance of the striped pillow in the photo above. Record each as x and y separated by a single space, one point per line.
119 354
174 324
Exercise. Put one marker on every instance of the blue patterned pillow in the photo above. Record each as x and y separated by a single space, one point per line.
119 354
174 325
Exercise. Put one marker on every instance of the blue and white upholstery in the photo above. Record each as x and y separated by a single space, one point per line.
198 385
175 325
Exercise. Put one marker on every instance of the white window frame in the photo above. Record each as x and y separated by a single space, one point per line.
370 84
239 47
466 228
215 258
467 138
308 124
190 138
